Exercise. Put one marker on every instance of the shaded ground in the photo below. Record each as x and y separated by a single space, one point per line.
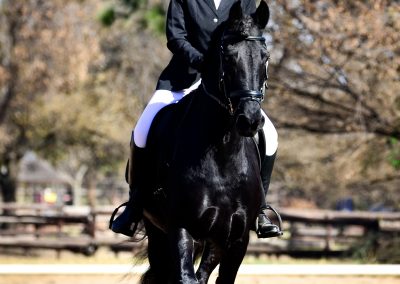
121 279
106 257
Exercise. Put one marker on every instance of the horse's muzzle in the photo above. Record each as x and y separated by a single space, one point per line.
248 126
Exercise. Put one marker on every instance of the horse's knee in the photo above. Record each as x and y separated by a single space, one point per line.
181 245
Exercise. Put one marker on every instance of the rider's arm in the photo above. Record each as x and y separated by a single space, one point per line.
177 36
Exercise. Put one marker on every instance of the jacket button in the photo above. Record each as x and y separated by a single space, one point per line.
215 20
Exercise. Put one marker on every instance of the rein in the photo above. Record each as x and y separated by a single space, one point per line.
228 106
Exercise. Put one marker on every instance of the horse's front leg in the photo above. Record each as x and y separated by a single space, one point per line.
209 260
231 261
182 247
158 255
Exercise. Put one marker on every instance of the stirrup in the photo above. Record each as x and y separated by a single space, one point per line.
277 234
130 232
269 207
115 213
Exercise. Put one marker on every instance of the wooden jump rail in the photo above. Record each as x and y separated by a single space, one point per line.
307 233
337 231
29 227
339 217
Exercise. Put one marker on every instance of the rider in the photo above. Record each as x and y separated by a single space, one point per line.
190 25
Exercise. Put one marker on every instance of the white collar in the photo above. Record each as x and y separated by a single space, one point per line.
217 2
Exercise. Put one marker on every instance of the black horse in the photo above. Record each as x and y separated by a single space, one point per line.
203 184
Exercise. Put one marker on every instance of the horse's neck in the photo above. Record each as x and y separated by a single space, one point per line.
210 79
206 134
233 144
218 123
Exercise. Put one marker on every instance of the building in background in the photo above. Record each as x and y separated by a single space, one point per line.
39 182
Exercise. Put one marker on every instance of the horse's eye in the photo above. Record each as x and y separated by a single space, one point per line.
229 49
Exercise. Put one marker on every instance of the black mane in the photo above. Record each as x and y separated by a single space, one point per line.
243 27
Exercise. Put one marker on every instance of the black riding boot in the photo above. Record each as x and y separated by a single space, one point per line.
127 222
265 228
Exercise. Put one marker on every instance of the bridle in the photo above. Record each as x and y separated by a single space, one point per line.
245 94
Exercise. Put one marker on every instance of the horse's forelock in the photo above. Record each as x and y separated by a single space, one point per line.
243 27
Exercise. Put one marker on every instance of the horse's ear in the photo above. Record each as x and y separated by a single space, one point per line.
261 15
236 11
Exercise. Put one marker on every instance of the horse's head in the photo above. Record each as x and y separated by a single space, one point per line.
243 59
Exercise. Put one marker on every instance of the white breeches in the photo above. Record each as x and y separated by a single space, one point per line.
162 98
271 136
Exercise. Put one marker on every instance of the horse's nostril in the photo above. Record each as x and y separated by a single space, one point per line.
255 126
246 126
242 122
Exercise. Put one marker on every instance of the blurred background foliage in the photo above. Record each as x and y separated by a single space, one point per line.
75 75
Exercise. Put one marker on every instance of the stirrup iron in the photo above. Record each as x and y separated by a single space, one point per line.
115 213
269 207
271 234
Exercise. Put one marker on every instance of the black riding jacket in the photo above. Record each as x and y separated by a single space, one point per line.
190 24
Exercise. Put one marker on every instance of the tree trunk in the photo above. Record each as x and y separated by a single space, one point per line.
91 189
77 186
8 187
10 14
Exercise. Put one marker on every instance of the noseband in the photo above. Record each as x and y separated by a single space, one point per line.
254 95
